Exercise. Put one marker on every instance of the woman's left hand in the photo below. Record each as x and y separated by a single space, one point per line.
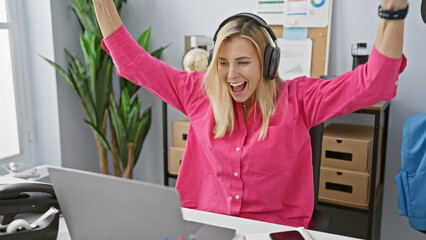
390 34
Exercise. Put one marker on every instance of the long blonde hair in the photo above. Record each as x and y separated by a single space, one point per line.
217 90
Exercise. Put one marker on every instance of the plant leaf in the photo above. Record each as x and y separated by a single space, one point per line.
133 88
134 118
120 132
143 129
85 13
125 105
157 53
101 137
103 86
78 75
61 72
143 39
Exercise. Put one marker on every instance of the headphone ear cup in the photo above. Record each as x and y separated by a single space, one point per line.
210 57
267 61
274 63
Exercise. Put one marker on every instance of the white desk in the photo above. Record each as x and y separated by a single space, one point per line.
243 226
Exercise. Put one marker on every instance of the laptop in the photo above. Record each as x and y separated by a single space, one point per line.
98 206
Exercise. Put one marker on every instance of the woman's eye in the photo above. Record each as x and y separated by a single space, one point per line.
243 62
223 63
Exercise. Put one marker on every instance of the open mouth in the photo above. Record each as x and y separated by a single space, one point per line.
238 87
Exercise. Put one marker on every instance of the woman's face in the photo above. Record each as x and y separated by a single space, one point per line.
239 67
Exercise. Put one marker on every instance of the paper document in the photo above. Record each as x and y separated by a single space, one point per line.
307 13
295 13
296 57
295 33
271 11
256 236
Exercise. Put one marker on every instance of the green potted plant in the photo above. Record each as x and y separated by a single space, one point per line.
92 81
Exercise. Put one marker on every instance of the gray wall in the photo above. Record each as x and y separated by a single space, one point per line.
353 21
77 142
44 94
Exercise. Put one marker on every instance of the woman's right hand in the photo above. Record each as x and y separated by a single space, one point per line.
107 15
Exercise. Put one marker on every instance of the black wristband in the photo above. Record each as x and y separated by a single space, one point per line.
393 15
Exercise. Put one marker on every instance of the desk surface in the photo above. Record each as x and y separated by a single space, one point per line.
241 225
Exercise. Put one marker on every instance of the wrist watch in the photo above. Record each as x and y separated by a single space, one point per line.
393 15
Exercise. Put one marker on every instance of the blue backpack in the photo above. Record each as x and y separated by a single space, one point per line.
411 178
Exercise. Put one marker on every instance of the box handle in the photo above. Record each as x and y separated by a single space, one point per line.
338 187
338 155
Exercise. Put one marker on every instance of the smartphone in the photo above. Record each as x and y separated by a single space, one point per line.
289 235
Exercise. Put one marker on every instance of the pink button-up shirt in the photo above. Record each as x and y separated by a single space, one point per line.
269 180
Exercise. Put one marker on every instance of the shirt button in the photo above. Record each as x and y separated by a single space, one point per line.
236 174
396 83
237 197
238 149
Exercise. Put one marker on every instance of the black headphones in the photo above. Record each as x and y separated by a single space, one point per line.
423 10
271 57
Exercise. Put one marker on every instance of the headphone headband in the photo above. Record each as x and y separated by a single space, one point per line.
271 57
252 16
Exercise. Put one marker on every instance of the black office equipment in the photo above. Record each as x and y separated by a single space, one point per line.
359 54
25 202
288 235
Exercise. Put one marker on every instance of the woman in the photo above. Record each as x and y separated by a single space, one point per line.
248 151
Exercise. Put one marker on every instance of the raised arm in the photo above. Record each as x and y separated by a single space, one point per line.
390 35
107 15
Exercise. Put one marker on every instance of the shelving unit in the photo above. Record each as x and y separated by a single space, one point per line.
167 175
365 223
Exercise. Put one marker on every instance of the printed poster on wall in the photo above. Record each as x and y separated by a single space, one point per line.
295 13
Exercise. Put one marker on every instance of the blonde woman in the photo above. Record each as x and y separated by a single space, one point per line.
248 150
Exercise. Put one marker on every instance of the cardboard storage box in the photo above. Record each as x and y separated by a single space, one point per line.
175 159
344 187
180 130
347 147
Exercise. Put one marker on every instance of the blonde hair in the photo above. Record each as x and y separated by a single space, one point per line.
217 90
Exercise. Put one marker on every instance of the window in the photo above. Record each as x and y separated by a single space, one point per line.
14 130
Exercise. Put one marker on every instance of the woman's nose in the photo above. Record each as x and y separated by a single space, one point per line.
233 71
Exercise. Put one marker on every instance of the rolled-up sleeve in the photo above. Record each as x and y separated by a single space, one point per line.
381 73
366 85
123 46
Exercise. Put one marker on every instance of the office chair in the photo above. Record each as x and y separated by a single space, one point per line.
321 220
